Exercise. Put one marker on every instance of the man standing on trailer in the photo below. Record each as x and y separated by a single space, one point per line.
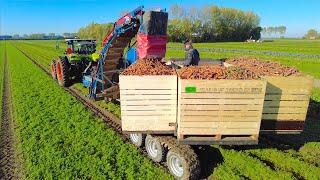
192 54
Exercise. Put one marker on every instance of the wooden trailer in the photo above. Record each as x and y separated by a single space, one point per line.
196 111
219 111
286 104
148 103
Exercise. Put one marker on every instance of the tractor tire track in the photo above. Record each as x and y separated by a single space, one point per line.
8 163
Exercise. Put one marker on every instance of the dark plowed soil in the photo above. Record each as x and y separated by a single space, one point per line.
8 165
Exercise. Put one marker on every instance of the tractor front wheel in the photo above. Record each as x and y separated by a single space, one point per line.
62 70
53 70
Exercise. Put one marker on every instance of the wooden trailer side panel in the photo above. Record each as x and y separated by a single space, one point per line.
148 103
286 103
219 107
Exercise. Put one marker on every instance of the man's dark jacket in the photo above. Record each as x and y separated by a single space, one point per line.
192 58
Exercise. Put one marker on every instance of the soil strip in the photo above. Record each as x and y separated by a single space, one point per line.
8 163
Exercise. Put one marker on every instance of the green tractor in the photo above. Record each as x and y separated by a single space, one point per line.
79 57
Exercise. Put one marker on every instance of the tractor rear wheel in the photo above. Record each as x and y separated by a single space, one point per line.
63 71
53 70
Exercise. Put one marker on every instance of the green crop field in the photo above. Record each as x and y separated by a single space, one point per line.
61 139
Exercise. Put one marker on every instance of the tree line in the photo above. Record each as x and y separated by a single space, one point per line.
212 23
95 31
207 24
40 36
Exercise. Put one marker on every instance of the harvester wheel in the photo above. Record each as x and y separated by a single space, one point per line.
183 162
156 151
62 69
53 70
137 139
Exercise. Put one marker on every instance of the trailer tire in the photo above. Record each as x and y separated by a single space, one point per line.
183 162
156 151
62 69
53 70
137 139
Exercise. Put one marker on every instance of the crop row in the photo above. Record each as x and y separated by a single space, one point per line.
310 152
240 164
61 139
286 162
44 57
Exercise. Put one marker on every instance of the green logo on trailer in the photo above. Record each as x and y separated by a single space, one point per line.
191 89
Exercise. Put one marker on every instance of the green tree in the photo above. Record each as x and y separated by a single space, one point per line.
311 34
95 31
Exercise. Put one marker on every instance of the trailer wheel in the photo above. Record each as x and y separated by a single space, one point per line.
62 69
53 70
156 151
137 139
183 163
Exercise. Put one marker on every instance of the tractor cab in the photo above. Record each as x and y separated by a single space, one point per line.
81 46
79 58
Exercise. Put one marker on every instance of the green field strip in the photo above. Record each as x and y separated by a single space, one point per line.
286 162
278 45
61 139
46 45
241 164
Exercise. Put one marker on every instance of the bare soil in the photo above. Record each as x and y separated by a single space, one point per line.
8 160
